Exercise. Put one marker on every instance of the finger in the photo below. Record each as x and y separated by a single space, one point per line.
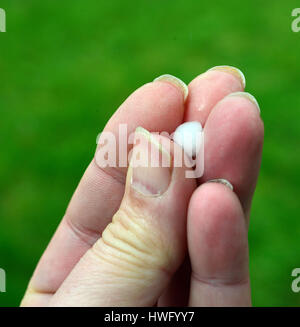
144 245
218 248
207 89
157 106
233 137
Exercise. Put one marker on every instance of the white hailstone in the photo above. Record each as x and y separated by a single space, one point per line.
189 137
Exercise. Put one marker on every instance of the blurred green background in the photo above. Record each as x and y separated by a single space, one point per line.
66 66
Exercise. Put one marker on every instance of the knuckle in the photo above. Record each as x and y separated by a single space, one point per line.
131 242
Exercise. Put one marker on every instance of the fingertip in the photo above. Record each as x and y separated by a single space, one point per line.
217 234
236 127
156 106
218 248
175 81
236 72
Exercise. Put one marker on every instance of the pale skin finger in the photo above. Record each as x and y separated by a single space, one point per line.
233 128
233 135
205 91
140 250
218 248
156 106
233 140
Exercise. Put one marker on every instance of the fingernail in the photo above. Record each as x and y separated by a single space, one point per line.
247 96
175 81
221 181
232 70
150 164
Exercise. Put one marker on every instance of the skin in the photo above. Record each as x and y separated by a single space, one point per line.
188 246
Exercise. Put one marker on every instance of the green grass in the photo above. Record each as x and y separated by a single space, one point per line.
65 66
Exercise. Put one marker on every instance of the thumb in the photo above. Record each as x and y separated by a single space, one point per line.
139 251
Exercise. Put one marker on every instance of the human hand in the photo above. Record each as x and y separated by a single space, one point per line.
160 216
